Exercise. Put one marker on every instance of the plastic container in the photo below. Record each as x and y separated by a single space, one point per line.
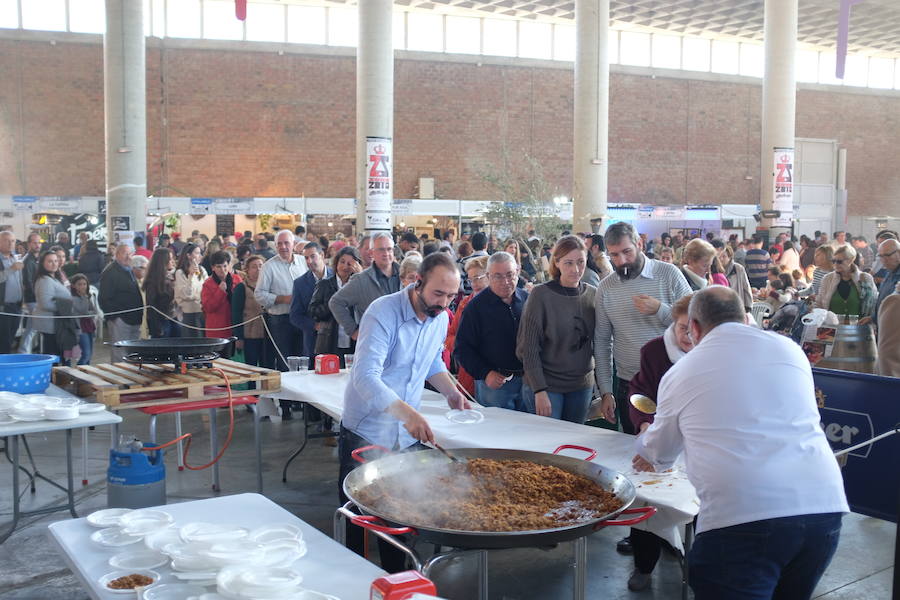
25 373
135 479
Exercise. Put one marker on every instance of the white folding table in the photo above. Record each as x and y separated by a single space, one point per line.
13 431
328 567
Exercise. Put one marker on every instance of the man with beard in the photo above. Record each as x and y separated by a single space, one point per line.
401 339
633 307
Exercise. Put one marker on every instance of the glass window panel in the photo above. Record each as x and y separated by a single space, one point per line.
535 40
613 47
87 16
219 22
753 60
343 27
399 30
881 73
183 19
695 54
856 71
806 67
463 35
425 31
725 57
9 14
46 15
265 22
564 42
159 18
306 24
666 51
148 23
897 74
826 69
634 48
499 37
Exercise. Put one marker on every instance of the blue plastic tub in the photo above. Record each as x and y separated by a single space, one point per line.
25 373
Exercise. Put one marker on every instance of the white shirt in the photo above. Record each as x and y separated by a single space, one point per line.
742 407
276 278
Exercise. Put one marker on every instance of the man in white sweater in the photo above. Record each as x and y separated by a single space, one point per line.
742 407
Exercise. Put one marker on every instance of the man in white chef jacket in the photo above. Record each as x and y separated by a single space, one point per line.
741 406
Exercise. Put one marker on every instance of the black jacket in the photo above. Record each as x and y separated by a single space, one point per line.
90 262
119 291
326 340
486 337
29 273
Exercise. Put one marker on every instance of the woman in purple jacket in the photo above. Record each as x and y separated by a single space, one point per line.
657 356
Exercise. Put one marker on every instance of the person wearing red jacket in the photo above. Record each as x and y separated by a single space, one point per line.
215 296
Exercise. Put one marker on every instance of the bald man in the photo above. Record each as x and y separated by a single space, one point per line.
119 291
889 253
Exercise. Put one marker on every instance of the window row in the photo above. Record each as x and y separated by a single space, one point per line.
436 32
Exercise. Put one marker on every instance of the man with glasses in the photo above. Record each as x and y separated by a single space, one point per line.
349 304
889 253
11 291
486 338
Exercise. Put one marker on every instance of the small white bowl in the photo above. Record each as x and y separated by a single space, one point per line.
140 559
173 591
60 413
145 521
108 517
113 537
104 581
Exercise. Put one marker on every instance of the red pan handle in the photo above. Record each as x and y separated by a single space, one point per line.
590 451
376 524
356 453
645 511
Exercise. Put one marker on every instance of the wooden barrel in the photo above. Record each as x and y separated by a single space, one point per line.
854 350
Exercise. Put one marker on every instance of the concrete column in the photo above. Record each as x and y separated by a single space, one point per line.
374 110
125 100
779 98
591 113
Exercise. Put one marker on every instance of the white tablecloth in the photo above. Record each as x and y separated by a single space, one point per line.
672 494
327 567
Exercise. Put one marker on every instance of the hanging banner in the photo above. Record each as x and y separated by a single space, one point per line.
24 203
234 206
783 199
379 181
200 206
61 203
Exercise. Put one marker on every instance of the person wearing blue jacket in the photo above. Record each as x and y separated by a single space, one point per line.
304 286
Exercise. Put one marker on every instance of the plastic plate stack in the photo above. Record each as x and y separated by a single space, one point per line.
192 559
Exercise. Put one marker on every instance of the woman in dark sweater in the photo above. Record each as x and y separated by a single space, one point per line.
159 291
332 339
91 262
657 357
555 338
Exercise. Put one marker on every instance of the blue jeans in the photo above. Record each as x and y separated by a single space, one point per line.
777 559
86 343
514 395
571 406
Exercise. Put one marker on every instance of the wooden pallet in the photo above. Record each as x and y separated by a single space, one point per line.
124 385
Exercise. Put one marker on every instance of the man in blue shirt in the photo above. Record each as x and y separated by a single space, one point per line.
401 337
486 338
304 286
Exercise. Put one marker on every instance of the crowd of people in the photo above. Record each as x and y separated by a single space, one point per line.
569 329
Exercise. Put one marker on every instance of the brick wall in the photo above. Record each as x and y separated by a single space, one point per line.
242 123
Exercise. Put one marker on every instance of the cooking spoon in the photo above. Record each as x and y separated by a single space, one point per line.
453 458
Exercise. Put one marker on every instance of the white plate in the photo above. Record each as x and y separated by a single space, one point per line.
160 539
145 521
197 576
194 565
138 559
257 582
211 533
103 581
235 552
92 407
283 553
311 595
113 537
272 533
173 591
467 417
61 413
108 517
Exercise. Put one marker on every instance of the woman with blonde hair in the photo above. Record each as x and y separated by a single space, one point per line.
556 333
476 271
847 290
697 265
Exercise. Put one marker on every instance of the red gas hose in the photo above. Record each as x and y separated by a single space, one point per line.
188 436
